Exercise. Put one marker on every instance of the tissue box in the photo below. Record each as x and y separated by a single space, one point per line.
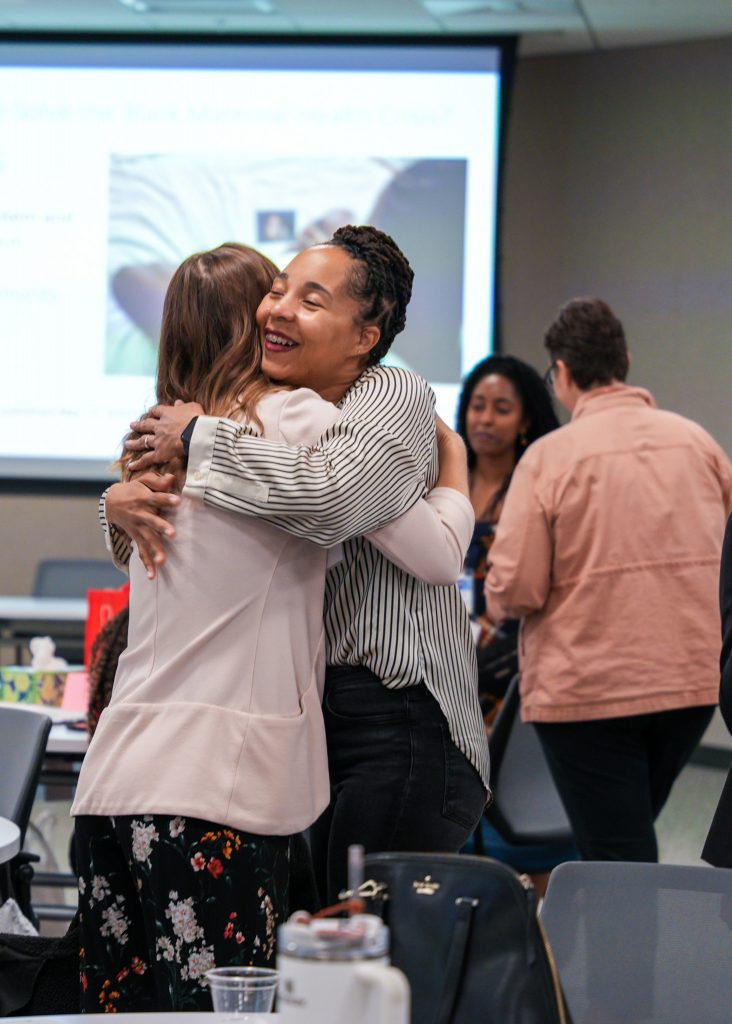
21 684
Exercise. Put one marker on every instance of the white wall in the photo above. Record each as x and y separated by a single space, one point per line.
619 180
33 527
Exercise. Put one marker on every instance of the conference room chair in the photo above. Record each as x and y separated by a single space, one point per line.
23 738
642 943
526 808
72 577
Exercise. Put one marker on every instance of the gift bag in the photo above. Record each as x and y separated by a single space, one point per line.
103 605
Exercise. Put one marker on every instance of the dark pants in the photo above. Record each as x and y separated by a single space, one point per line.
615 774
162 900
398 782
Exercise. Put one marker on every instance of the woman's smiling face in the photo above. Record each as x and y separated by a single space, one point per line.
311 329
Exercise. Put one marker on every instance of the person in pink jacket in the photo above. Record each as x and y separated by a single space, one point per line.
608 549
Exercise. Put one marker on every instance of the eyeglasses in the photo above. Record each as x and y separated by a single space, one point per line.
549 376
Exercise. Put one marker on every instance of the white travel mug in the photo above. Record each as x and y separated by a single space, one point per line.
336 970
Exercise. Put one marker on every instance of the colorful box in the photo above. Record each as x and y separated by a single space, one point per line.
25 685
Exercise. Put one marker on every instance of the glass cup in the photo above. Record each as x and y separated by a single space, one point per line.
236 991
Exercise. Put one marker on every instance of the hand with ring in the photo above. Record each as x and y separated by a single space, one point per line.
160 429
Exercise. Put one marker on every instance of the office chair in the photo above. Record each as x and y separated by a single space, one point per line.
526 808
642 943
72 577
23 738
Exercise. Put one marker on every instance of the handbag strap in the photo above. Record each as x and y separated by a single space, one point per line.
456 959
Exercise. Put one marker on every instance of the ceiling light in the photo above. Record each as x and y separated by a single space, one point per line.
447 8
441 8
202 7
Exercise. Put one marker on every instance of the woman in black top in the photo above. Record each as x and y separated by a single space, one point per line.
504 405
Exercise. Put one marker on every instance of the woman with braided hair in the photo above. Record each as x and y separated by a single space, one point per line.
407 752
211 753
105 653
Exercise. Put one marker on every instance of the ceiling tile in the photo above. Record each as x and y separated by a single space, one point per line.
380 16
546 26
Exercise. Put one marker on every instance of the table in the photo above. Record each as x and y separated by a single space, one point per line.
65 742
9 840
22 618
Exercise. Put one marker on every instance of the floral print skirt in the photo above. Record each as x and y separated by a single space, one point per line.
164 899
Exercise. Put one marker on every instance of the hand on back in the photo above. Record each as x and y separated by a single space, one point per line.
139 509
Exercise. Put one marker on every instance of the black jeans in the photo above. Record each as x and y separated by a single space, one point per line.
615 774
398 782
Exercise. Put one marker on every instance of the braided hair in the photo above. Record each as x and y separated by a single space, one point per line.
106 649
380 281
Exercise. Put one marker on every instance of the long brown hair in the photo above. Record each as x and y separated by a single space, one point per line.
209 346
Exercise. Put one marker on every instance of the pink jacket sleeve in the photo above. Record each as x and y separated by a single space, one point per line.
724 472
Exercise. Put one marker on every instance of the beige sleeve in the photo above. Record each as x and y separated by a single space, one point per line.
431 539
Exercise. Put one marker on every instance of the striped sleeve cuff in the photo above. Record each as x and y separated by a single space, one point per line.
201 477
117 542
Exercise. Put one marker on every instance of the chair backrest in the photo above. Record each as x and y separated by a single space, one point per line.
72 577
526 807
642 942
23 737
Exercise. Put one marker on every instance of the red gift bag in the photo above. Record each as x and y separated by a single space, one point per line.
102 605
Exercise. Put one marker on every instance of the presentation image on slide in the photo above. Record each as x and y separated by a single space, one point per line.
275 226
163 207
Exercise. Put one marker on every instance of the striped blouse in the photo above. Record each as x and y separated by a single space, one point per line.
372 465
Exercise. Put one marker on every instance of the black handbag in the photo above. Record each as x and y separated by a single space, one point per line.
497 664
465 932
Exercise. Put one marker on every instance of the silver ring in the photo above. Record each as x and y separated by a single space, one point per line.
146 439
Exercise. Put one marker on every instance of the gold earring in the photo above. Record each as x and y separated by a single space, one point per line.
523 440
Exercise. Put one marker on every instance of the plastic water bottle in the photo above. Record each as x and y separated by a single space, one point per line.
466 586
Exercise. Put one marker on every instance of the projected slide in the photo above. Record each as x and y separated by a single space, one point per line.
112 171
